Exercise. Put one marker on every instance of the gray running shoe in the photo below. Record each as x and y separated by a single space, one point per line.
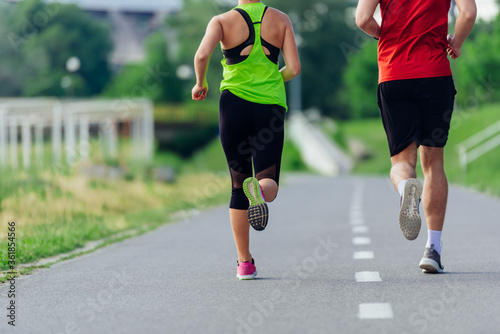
409 213
258 212
431 261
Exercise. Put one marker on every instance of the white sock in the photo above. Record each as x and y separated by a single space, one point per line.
401 187
434 238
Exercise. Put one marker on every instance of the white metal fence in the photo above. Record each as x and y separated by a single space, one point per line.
478 145
67 125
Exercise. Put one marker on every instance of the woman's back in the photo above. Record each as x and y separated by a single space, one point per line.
235 29
251 69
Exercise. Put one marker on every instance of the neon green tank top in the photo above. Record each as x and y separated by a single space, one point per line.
256 79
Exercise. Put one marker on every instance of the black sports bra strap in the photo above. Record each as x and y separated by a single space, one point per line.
264 13
233 56
247 17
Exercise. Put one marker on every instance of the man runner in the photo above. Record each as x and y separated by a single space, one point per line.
416 96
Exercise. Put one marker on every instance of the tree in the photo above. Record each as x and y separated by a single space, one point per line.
42 37
360 78
155 78
476 71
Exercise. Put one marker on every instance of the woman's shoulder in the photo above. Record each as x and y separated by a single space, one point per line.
277 16
278 13
228 16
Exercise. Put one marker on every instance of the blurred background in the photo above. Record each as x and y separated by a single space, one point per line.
99 137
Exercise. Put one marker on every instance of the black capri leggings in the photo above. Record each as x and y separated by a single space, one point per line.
250 131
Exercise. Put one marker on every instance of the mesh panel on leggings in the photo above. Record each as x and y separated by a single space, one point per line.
238 178
268 173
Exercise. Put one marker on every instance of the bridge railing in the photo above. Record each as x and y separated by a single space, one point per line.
30 123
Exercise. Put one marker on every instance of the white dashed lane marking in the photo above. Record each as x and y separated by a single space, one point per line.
361 241
360 229
368 276
376 311
357 221
363 255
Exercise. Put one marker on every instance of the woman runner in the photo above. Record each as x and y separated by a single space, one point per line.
251 110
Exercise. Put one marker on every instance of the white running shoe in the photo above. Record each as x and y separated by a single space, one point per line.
409 213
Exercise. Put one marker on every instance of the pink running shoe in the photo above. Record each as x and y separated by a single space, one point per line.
246 270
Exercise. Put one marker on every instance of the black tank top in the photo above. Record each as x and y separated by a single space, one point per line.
233 56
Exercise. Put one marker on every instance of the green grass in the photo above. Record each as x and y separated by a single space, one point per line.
200 112
482 174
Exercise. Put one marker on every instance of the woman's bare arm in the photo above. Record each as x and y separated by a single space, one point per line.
212 38
290 54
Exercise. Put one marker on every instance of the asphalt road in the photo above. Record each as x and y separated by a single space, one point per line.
332 260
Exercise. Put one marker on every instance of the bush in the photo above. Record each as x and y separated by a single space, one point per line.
360 81
186 142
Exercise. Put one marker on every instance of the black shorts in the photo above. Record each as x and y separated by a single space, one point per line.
417 110
252 135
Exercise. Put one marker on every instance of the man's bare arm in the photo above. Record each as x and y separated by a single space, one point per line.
364 17
463 27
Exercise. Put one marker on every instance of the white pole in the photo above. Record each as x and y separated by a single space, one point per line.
56 132
13 142
39 143
3 138
112 139
69 132
26 134
136 137
84 137
104 130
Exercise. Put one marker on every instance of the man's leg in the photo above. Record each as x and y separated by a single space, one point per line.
404 179
435 190
434 201
403 165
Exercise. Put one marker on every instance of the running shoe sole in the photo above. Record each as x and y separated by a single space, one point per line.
429 266
258 212
247 277
409 216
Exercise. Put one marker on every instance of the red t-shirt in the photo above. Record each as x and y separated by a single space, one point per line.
413 39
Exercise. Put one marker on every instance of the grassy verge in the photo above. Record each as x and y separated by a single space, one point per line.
482 174
57 212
